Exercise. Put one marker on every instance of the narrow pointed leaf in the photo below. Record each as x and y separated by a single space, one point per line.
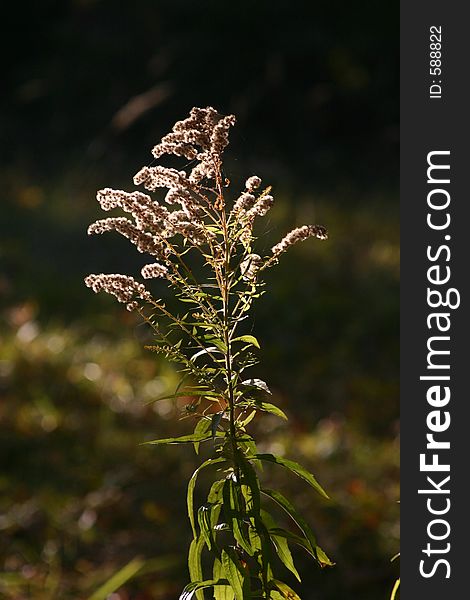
233 513
281 545
215 493
194 563
185 439
271 408
285 590
188 392
257 384
292 537
209 350
193 587
244 422
258 533
207 518
250 480
259 538
202 428
249 339
285 555
296 469
191 486
221 592
282 501
235 574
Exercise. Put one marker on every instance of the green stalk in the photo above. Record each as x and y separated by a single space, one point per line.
225 294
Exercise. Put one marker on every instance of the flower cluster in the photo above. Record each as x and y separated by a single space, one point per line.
193 211
243 203
252 183
153 271
202 136
124 288
261 207
250 266
299 235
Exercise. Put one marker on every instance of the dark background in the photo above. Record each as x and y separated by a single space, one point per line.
88 88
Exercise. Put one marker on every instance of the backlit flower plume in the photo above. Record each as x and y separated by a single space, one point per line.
186 209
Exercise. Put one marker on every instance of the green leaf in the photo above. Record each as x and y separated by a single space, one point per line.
261 541
221 592
248 419
208 350
233 513
258 533
235 574
216 230
257 384
249 448
215 493
292 537
249 339
194 563
250 481
211 339
280 543
207 517
191 486
296 469
285 590
193 587
118 579
188 392
315 550
271 408
202 428
186 439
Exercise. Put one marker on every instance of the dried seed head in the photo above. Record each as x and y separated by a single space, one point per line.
189 133
122 287
299 235
159 177
263 204
153 271
252 183
219 136
250 266
202 136
203 170
243 203
145 242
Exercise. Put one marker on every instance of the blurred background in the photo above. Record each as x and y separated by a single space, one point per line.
89 87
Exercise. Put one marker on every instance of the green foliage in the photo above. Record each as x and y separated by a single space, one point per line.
205 253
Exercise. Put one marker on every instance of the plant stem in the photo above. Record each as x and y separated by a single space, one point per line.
225 294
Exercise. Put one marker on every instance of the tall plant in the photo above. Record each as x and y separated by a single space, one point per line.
204 250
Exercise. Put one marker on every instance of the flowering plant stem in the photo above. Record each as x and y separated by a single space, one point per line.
205 253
